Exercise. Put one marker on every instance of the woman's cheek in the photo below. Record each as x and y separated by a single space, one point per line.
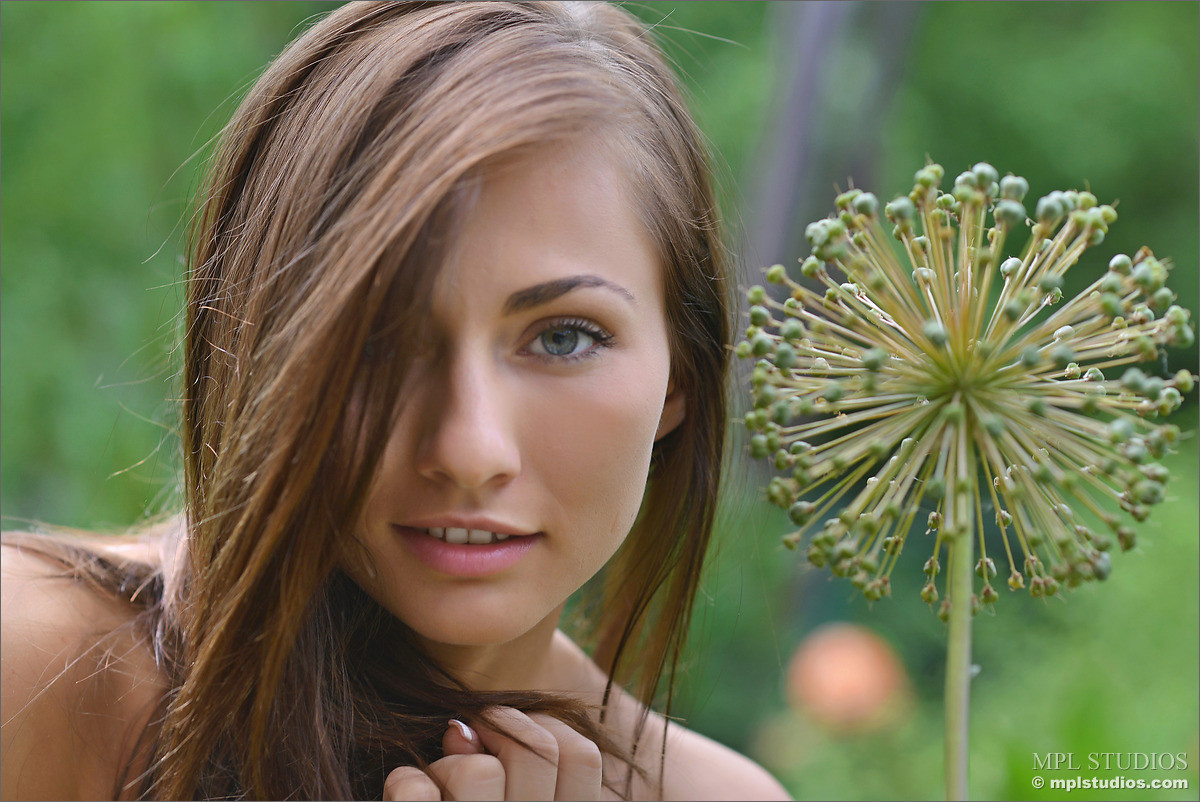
590 442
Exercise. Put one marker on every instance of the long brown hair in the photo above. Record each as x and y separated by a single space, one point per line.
333 194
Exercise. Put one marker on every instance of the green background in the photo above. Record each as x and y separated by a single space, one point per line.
106 111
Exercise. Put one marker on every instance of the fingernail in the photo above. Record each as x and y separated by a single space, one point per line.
466 731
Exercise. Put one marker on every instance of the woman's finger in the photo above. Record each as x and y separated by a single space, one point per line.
411 784
460 739
471 777
580 763
528 752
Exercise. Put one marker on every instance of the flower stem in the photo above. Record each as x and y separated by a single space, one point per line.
958 667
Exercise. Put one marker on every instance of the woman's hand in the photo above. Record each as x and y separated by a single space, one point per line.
482 764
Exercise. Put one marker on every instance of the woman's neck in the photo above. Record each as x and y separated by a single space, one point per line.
542 659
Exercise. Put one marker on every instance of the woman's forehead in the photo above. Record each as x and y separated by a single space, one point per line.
564 212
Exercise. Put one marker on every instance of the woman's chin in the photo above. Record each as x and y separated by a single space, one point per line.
473 628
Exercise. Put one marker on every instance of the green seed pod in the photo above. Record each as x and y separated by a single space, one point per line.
758 446
1014 309
1147 278
761 344
1176 316
756 295
1062 355
833 392
1010 266
1149 493
926 178
1031 357
1048 211
782 460
1013 187
776 274
1180 337
1155 472
1120 264
1162 298
1111 304
929 594
985 569
801 512
742 351
785 356
1112 282
900 210
1009 213
985 174
1016 581
1126 537
943 612
1184 382
817 233
874 359
1050 283
765 396
932 567
1141 314
759 316
935 332
810 267
936 488
866 204
844 200
778 493
791 330
988 595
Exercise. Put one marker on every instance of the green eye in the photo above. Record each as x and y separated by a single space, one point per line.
561 341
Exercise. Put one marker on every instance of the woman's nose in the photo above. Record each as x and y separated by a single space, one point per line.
468 434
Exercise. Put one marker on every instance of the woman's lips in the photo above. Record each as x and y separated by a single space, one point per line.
465 559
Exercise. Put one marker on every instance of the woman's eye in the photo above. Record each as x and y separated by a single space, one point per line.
568 341
562 342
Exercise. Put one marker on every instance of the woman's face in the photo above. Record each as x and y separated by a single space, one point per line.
531 412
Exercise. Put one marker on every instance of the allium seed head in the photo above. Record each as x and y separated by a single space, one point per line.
948 371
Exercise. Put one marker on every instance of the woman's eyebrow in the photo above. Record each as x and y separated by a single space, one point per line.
549 290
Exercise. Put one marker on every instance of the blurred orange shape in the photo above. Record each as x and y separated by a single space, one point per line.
848 679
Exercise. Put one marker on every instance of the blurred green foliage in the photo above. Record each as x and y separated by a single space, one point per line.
106 111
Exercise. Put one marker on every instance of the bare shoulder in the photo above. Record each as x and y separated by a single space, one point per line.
74 684
699 768
695 767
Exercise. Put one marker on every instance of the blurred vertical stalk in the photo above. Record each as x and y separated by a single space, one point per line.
958 667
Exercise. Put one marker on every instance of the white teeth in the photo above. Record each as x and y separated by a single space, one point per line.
454 534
